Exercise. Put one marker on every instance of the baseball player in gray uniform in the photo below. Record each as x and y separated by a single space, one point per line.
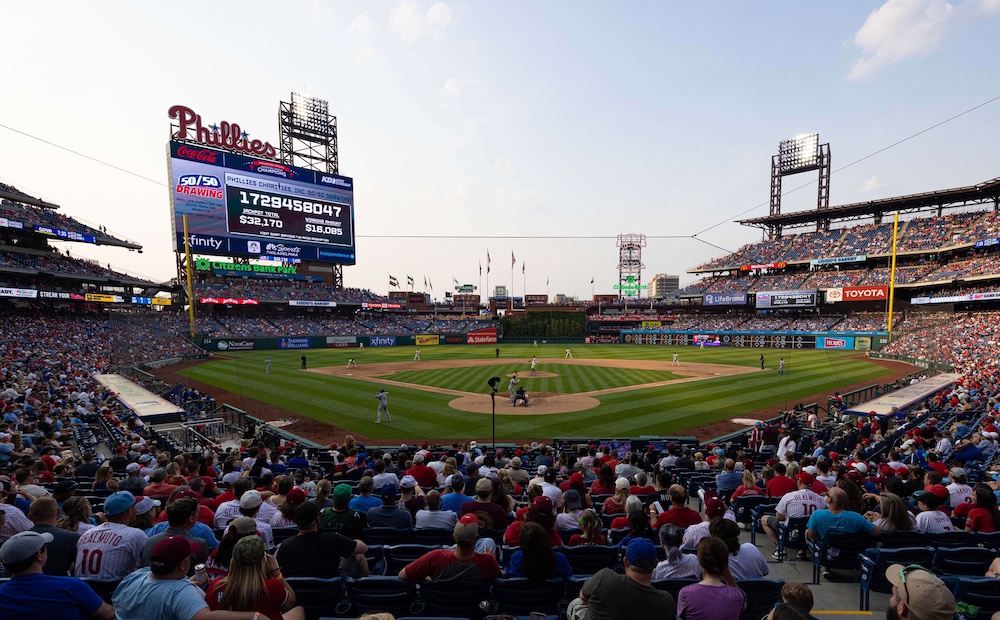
512 389
383 405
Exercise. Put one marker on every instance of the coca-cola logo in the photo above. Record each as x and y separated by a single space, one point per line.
202 155
225 134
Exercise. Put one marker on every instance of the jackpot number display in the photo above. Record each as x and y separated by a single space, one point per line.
266 214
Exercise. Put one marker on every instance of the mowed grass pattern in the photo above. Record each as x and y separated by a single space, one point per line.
350 403
571 379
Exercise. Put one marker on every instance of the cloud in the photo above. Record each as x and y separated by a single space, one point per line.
318 11
412 23
871 185
902 28
505 167
362 24
455 87
364 53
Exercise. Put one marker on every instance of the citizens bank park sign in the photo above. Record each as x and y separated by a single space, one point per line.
857 293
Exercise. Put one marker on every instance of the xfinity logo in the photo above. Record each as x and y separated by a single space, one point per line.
204 242
383 341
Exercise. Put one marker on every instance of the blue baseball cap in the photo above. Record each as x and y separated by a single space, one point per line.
641 549
119 502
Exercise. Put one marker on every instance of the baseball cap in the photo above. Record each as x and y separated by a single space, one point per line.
244 525
182 494
515 462
576 479
622 483
957 472
484 485
541 469
145 504
131 467
571 499
542 505
805 478
472 444
169 553
22 546
641 549
388 491
922 592
342 493
861 467
927 497
145 458
118 502
834 456
939 491
251 499
296 496
467 529
408 482
714 508
811 469
64 486
249 550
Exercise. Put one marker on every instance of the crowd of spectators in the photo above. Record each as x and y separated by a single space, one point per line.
272 289
30 215
56 263
866 322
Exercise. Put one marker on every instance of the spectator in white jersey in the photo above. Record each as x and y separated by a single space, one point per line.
800 503
114 548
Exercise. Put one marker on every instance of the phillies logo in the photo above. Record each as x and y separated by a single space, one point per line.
226 135
202 155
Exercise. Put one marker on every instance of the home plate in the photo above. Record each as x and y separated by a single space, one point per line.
744 421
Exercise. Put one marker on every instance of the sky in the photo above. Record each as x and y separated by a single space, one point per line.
538 129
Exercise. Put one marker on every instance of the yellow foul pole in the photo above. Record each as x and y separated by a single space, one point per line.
892 271
190 284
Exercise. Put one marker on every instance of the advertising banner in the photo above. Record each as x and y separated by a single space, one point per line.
161 301
235 345
65 234
5 223
427 340
312 304
371 306
776 265
724 299
838 260
482 336
340 342
58 295
24 293
805 298
857 293
293 343
839 342
454 338
382 341
862 343
985 243
651 324
250 206
105 299
228 301
953 299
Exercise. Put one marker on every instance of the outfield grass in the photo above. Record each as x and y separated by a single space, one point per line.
350 403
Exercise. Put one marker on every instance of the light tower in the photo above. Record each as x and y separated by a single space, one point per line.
309 140
630 265
802 153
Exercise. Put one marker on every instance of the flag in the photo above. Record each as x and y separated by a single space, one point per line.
409 280
591 279
480 268
393 281
522 267
487 262
455 280
425 282
430 284
513 261
546 280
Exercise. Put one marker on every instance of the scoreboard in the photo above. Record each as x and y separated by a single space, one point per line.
751 341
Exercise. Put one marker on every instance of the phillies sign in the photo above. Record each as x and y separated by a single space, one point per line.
224 135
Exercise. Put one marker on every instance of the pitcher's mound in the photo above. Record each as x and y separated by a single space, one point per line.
540 404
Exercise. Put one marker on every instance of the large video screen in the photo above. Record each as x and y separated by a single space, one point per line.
244 206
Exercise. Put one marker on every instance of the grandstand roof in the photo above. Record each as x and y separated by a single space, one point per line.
954 197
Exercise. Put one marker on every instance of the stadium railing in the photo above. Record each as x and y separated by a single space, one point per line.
929 365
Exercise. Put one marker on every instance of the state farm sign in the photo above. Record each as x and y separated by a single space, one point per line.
857 293
482 336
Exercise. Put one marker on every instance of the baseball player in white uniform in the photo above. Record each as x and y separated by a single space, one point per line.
114 548
534 362
569 354
781 366
351 363
267 366
383 405
677 360
416 355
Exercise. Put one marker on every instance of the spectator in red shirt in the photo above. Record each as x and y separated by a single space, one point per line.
679 514
426 477
984 517
780 484
749 487
605 483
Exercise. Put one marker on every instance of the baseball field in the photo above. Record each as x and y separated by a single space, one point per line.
605 390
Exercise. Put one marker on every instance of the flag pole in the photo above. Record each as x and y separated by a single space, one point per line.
892 272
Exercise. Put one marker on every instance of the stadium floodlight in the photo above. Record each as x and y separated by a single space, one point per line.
799 154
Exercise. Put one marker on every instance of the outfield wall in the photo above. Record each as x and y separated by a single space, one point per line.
344 342
852 341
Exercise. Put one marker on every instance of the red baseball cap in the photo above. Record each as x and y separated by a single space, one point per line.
576 478
939 490
806 479
834 456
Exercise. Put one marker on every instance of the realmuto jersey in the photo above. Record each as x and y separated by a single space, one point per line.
800 503
109 551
